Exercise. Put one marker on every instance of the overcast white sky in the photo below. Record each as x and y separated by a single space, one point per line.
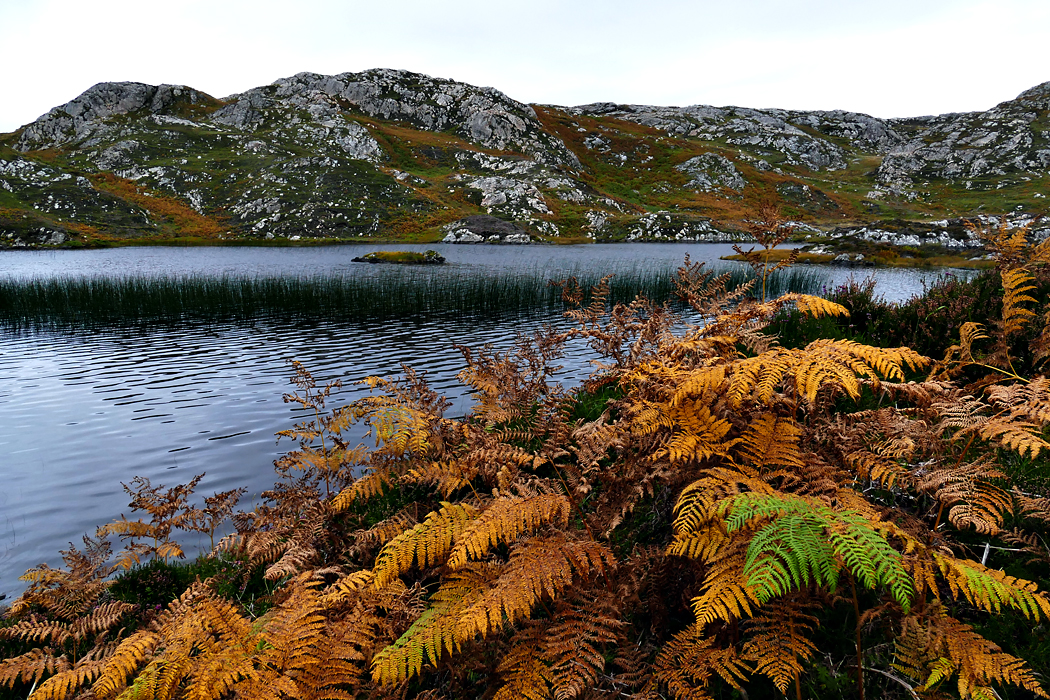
888 58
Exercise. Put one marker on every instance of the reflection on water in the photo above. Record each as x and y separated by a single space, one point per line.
82 411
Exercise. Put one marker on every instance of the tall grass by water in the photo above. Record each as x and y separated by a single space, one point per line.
93 301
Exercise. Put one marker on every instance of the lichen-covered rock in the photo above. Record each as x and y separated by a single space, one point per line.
485 229
482 115
751 129
711 172
80 118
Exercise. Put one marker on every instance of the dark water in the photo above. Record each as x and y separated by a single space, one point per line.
82 411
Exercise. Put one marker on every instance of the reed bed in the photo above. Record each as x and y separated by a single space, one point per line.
94 301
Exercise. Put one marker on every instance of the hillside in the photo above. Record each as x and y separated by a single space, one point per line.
394 155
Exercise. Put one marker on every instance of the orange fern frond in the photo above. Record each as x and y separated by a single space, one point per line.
779 640
686 663
434 633
539 569
426 544
771 440
506 519
991 590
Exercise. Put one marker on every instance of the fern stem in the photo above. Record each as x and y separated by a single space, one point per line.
940 511
895 679
860 651
583 518
572 500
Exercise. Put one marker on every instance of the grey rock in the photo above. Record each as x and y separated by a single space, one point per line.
509 195
761 131
712 172
479 228
80 118
483 115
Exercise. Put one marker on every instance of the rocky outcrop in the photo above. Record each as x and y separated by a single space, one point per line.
79 119
485 229
762 132
484 116
711 172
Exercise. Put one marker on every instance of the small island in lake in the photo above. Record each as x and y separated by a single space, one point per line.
402 257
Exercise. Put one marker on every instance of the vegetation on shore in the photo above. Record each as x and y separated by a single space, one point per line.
402 257
718 512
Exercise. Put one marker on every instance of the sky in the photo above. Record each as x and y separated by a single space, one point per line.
890 58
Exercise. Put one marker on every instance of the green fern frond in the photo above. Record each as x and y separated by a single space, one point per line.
798 541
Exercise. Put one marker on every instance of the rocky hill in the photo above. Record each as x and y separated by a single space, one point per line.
395 155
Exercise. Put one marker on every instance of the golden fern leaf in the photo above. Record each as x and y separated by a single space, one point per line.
102 618
30 631
66 684
915 650
978 662
293 631
697 506
1028 401
647 417
982 506
160 680
385 530
879 468
366 487
340 663
504 521
449 477
756 378
572 644
30 667
347 587
815 306
696 433
127 528
971 493
124 662
703 544
779 640
297 557
726 594
700 382
839 362
771 440
1017 434
542 567
434 632
969 332
989 589
686 663
524 673
1016 285
426 544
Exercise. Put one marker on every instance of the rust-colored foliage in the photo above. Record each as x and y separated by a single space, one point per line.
186 221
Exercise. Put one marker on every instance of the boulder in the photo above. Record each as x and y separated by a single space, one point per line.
483 228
